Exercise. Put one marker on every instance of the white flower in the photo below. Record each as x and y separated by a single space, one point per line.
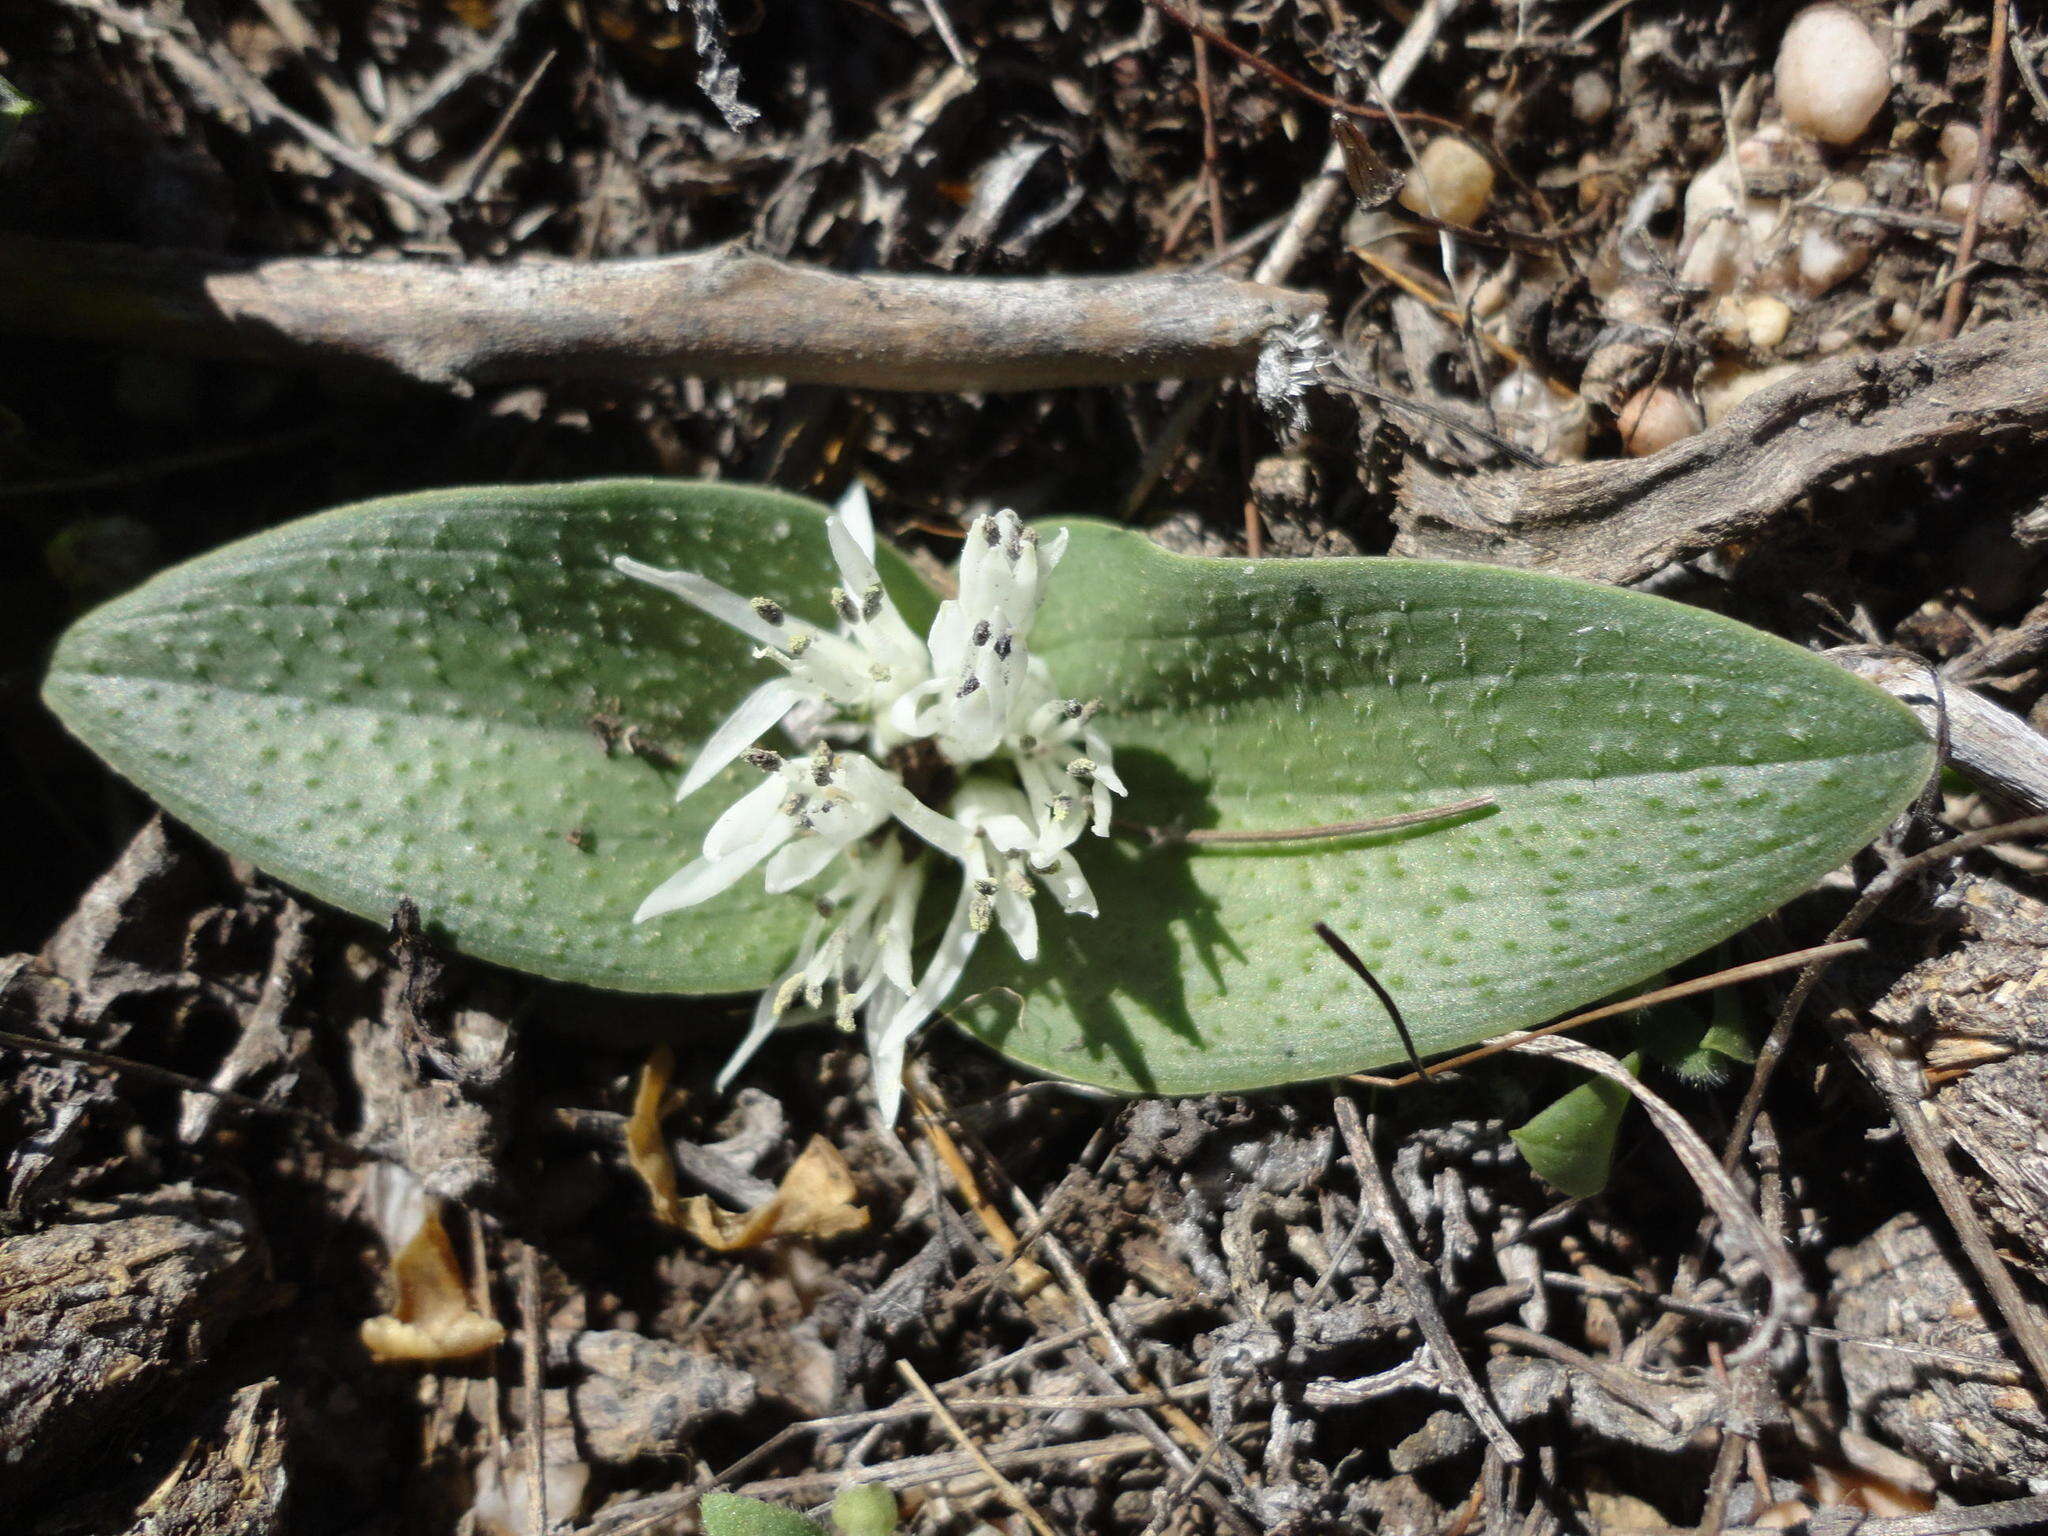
970 753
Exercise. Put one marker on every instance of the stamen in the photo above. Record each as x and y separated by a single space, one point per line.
981 632
787 994
767 610
843 605
967 687
878 673
822 765
793 803
1082 768
1062 807
1003 646
800 642
763 759
989 534
871 601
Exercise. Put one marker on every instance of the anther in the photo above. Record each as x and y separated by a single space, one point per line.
767 610
989 533
967 687
878 673
800 643
981 632
871 601
1003 646
763 759
1062 807
844 606
1082 768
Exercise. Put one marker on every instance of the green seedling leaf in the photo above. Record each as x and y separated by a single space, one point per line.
1570 1144
865 1509
453 697
727 1514
415 697
1664 777
14 108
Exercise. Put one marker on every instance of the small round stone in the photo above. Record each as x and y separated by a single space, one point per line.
1832 75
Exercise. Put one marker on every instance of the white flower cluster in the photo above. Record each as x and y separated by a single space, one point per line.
956 743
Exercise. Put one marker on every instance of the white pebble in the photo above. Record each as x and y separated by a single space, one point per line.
1655 418
1459 181
1958 149
1832 75
1592 96
2005 205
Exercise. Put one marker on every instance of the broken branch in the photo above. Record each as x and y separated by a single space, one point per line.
718 312
1620 520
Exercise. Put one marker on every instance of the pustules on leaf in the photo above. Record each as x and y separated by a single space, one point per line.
456 697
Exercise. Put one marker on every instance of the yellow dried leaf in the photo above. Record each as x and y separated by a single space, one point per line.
433 1319
645 1149
815 1201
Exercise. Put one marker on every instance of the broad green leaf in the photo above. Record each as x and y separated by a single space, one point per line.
728 1514
409 697
1570 1143
1664 777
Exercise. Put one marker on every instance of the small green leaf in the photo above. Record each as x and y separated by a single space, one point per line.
727 1514
1665 776
414 696
14 107
865 1509
1696 1039
1570 1144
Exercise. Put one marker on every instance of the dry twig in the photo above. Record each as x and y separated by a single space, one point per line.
719 312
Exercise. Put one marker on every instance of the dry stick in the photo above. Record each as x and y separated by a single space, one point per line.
722 312
1309 211
456 73
213 79
529 1362
1789 1302
1012 1494
1363 972
142 1071
1617 1384
1414 1282
1988 121
1620 520
1874 894
2029 76
1909 1112
1734 975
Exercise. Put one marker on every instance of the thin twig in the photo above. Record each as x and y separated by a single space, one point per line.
1989 118
1415 1285
1617 1384
1773 1049
1734 975
1789 1301
2030 77
1909 1113
1363 972
1011 1493
529 1364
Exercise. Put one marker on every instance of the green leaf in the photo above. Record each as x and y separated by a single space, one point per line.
727 1514
1570 1144
14 107
1664 776
407 697
865 1509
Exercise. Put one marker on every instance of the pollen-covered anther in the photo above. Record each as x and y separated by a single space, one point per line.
981 632
767 610
871 601
800 642
1003 645
967 686
765 760
1062 807
877 673
844 605
787 994
1082 768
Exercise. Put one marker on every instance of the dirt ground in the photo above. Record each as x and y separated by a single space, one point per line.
1222 1313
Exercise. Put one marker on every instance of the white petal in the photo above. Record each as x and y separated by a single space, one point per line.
855 561
749 818
1098 753
758 713
854 515
706 596
701 880
765 1019
1069 886
886 1044
794 863
1019 919
867 781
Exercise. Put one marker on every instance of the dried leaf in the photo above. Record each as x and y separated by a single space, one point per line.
645 1149
433 1319
815 1200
